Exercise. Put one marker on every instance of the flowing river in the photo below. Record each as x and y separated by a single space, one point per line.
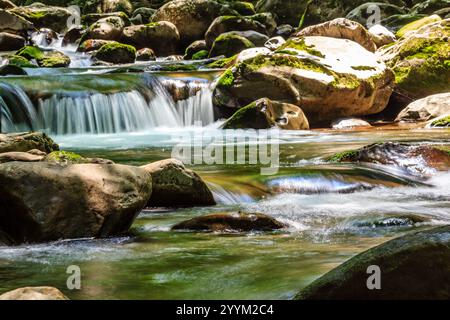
333 211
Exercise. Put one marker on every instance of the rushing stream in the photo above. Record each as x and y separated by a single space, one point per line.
333 211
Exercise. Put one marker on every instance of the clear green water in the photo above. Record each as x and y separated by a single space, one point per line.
325 228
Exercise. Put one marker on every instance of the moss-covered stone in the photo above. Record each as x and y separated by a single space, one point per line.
64 157
417 24
54 18
20 62
116 53
299 44
229 44
343 156
202 54
45 59
222 63
226 79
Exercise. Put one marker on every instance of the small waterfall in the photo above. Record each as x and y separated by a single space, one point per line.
82 112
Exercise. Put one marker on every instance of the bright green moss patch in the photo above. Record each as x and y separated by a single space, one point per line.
415 25
443 122
363 68
30 52
229 44
227 79
20 62
51 59
64 157
344 156
280 60
299 44
202 54
222 63
247 117
179 67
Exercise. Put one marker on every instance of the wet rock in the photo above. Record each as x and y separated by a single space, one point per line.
142 15
45 59
264 114
73 36
284 30
43 16
106 29
193 48
34 293
327 78
13 23
414 158
174 185
91 18
226 24
145 54
191 17
23 142
343 29
229 44
274 43
349 124
10 42
162 37
240 222
12 70
44 201
381 35
425 109
116 53
414 266
420 60
92 45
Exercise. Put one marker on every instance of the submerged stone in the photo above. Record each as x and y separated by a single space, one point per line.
240 222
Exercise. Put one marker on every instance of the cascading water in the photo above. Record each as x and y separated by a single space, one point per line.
144 107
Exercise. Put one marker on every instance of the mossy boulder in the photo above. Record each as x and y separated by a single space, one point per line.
414 267
12 70
109 28
92 45
10 42
67 157
413 158
229 44
327 78
44 59
117 53
42 16
203 54
226 24
421 60
236 221
265 114
343 29
20 62
162 37
222 63
173 185
193 48
87 200
142 15
417 24
91 18
23 142
191 17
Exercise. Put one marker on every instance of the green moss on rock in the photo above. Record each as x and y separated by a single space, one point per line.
227 79
222 63
64 157
20 62
202 54
344 156
443 122
299 44
115 52
415 25
229 44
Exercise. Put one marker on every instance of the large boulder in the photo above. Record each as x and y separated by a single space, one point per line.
162 37
420 60
91 18
343 29
45 59
117 53
44 201
105 29
327 78
174 185
107 6
10 22
191 17
93 45
425 109
415 266
42 16
10 42
232 23
34 293
24 142
229 44
264 114
416 159
238 221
